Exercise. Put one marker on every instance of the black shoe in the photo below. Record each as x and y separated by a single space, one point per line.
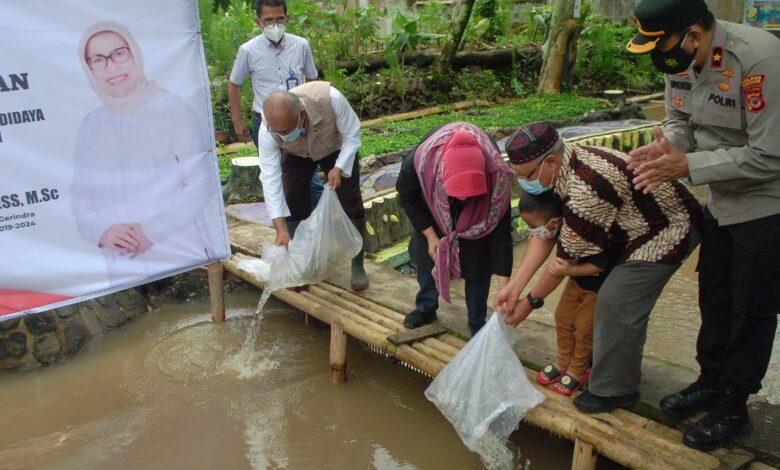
416 319
698 396
590 403
729 419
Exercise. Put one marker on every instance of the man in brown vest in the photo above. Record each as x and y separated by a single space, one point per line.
311 125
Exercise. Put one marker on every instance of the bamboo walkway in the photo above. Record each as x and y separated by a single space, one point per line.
622 436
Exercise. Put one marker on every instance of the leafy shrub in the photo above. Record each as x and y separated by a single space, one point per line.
472 85
603 62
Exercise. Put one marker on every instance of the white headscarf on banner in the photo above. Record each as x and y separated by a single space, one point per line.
142 92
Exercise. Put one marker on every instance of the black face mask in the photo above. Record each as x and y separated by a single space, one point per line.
673 61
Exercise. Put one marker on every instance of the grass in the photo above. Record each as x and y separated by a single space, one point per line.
398 135
395 136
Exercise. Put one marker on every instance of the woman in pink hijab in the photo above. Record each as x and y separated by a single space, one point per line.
455 187
142 171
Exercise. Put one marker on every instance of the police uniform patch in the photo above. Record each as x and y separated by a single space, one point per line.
716 58
753 89
678 101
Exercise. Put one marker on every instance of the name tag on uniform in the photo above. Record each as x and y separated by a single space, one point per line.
292 82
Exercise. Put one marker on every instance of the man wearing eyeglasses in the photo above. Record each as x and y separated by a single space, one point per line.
273 61
310 126
650 233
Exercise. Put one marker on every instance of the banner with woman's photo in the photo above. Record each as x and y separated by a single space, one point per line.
108 168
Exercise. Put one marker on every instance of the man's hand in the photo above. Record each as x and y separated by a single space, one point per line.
242 132
120 238
334 178
282 238
649 152
657 163
560 267
519 313
143 242
506 298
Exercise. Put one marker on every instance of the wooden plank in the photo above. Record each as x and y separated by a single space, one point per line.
584 457
417 334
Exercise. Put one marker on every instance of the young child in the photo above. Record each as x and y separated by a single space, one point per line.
574 314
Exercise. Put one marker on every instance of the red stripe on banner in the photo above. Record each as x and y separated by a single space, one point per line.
12 301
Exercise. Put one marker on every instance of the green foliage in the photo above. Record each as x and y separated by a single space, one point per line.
224 30
539 19
335 31
406 34
471 85
398 135
435 17
602 59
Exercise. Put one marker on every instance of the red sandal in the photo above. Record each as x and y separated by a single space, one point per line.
549 375
568 385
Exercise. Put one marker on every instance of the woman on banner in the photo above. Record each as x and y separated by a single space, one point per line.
455 188
142 171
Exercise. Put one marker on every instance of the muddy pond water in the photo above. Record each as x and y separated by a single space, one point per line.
169 391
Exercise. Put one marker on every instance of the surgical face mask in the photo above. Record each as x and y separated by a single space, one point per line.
293 135
534 186
543 232
274 32
673 61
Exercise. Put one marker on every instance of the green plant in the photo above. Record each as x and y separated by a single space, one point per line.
472 85
603 61
406 34
223 31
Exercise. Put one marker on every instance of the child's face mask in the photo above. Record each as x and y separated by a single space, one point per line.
544 232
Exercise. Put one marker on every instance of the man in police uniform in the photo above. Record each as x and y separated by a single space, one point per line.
721 129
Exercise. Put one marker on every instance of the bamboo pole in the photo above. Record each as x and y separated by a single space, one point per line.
216 292
338 354
584 457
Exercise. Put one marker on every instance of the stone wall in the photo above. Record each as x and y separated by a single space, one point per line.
44 338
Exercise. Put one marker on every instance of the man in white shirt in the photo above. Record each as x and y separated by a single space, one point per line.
273 61
309 126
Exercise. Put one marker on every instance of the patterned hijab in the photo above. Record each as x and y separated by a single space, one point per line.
480 215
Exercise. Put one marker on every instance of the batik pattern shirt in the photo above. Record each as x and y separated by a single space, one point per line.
602 209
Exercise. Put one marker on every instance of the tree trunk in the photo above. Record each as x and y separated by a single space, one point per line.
243 185
447 58
562 31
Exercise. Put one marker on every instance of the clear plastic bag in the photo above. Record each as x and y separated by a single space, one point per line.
322 243
484 392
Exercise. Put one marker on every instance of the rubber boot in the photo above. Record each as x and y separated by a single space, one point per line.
359 279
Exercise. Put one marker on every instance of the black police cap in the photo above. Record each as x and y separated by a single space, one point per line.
659 18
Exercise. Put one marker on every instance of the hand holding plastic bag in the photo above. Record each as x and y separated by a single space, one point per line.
321 244
484 392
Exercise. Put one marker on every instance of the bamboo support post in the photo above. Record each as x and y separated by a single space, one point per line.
338 354
216 292
584 457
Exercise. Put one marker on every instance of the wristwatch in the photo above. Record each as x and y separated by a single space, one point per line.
534 303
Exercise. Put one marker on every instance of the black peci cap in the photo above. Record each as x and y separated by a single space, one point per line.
659 18
531 141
